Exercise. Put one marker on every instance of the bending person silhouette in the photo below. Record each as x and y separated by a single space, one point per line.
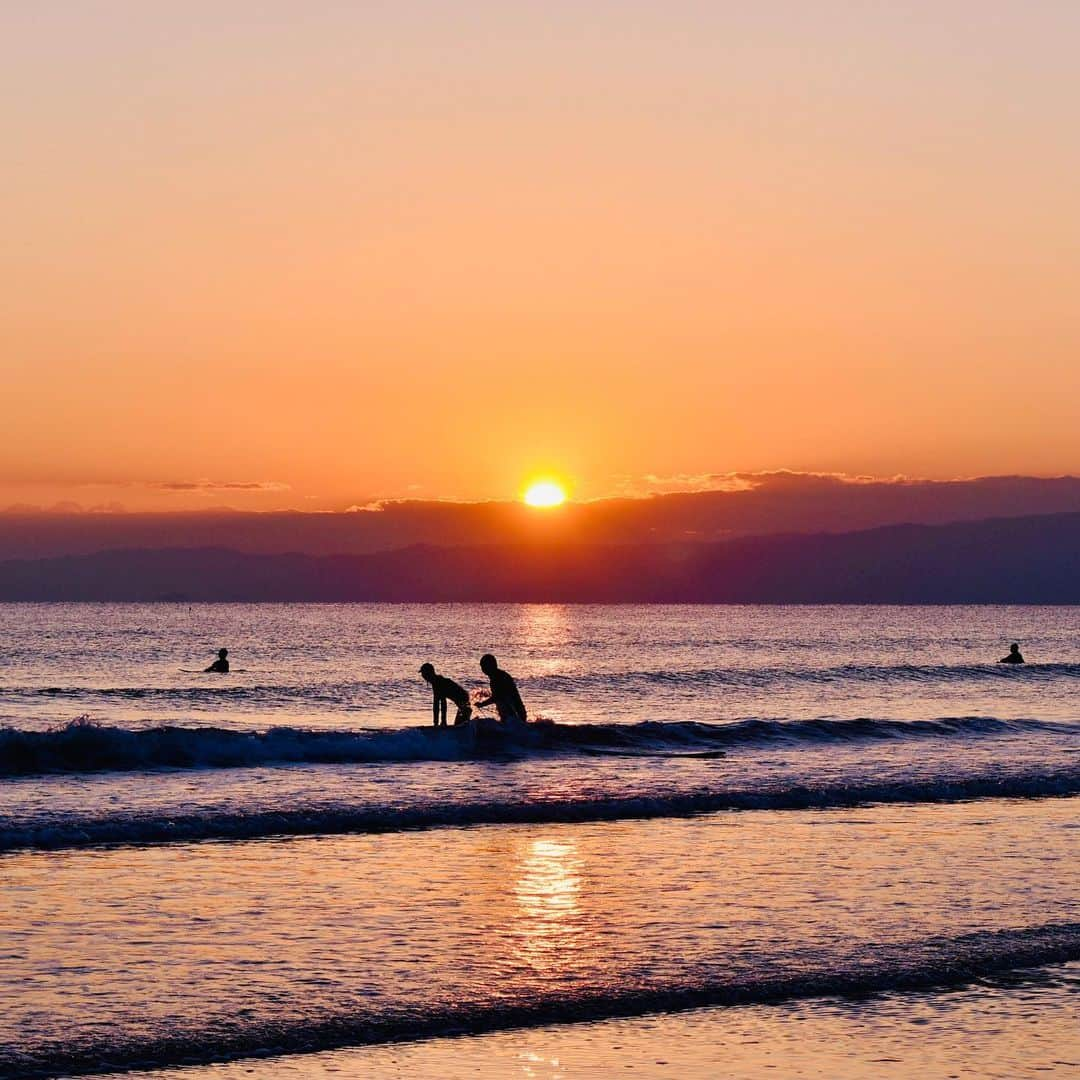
443 690
1014 657
504 692
221 665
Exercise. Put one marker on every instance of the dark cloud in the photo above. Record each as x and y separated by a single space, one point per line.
681 483
742 504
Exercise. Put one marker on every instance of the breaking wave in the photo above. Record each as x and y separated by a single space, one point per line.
83 746
330 819
919 965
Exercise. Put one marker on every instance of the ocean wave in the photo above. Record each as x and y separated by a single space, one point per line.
732 677
84 746
57 833
764 677
328 694
917 965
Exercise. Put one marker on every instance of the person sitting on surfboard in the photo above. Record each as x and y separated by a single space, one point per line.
443 689
1014 657
504 692
221 665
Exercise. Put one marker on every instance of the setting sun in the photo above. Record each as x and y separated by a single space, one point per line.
545 493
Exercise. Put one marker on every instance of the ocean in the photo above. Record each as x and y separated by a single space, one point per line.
751 842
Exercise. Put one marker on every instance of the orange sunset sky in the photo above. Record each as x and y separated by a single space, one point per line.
280 254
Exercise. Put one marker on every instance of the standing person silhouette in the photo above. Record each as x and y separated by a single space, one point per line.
443 689
504 693
221 665
1014 657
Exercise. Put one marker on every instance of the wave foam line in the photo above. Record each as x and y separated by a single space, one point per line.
857 673
937 962
82 746
129 830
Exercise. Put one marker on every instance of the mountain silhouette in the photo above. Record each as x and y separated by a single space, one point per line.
1024 560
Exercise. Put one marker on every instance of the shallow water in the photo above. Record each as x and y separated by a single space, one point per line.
735 806
1018 1027
162 953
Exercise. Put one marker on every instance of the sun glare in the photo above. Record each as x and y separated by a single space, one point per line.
545 493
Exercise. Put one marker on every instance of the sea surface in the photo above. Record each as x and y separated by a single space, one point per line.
748 841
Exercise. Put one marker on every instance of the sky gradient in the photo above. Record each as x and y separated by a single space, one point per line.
275 255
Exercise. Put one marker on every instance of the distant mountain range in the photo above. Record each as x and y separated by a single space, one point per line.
1003 560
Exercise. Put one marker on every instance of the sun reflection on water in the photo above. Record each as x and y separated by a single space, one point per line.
546 632
537 1067
545 625
547 890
